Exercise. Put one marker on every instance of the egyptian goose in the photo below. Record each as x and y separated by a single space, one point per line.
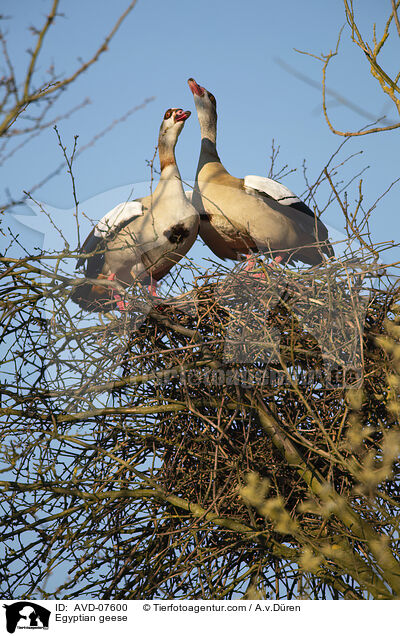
240 216
142 239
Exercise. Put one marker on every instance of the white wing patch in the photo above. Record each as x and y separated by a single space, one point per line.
122 213
272 188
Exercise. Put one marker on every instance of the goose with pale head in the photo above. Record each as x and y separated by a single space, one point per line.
242 216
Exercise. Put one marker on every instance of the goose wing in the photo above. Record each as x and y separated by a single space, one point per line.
109 225
274 190
265 187
189 196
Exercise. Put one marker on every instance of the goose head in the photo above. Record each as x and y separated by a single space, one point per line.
172 124
206 104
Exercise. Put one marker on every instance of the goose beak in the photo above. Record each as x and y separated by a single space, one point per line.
183 116
195 88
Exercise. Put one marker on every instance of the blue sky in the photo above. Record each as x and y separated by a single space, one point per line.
233 48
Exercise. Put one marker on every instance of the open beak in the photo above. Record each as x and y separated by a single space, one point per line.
195 88
183 116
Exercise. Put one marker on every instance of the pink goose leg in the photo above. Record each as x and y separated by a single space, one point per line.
152 288
252 262
121 304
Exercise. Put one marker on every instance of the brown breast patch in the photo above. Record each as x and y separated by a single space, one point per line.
177 233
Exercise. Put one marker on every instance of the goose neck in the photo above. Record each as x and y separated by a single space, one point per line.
166 152
169 171
209 131
209 147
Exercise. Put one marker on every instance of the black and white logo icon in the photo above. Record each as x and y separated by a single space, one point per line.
26 615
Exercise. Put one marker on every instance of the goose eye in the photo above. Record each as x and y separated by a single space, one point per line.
212 99
168 114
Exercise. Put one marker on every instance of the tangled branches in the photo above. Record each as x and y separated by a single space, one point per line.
241 436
